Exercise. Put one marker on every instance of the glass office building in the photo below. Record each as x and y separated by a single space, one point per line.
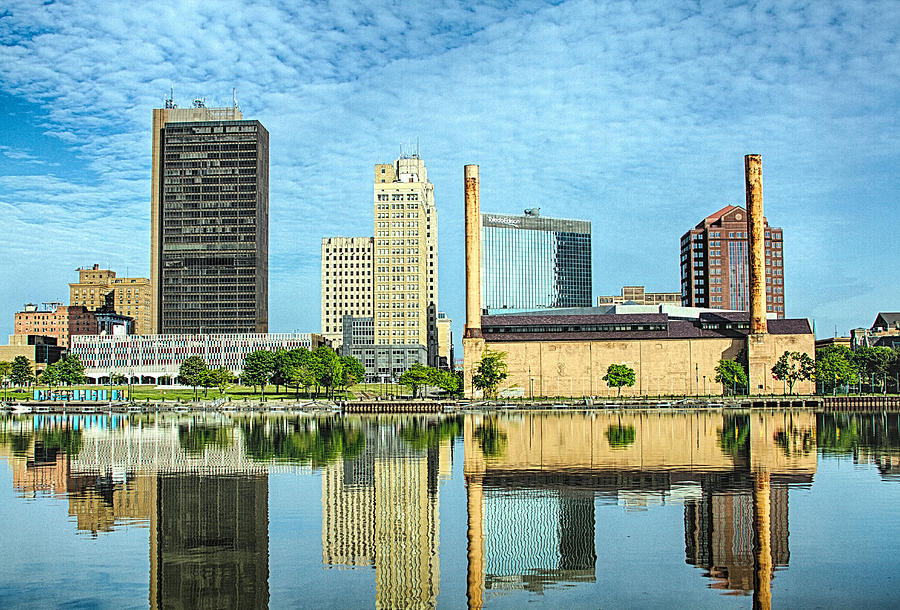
533 262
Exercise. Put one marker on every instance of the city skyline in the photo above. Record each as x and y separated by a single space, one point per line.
641 151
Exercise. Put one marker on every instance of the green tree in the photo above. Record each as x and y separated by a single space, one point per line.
490 372
873 364
5 368
258 369
730 373
51 375
206 381
303 371
618 375
284 360
191 372
221 378
71 370
444 379
834 367
118 379
792 367
328 368
415 377
20 372
352 371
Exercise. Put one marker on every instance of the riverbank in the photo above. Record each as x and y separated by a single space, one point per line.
810 403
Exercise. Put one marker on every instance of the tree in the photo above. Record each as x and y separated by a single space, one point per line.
5 368
793 367
284 360
51 375
872 363
352 371
618 375
71 370
191 372
221 378
415 377
20 372
490 371
206 381
303 370
118 379
444 379
834 367
328 368
258 369
730 373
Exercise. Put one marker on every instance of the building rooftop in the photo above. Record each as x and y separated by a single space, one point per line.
611 326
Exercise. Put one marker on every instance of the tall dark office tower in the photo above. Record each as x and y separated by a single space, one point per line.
533 262
209 222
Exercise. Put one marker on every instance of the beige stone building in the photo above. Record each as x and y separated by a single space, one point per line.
347 283
39 350
392 276
569 354
127 296
445 340
405 255
637 294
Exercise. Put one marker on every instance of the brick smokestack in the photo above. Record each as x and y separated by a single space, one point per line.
755 225
473 254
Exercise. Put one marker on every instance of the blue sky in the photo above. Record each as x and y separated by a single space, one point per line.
635 116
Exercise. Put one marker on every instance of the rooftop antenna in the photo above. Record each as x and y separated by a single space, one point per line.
233 97
170 101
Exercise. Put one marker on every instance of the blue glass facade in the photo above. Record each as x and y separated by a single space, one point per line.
531 262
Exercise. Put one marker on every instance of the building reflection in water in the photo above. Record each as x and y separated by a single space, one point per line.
532 479
533 482
380 508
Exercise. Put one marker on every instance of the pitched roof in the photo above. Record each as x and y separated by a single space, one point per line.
888 318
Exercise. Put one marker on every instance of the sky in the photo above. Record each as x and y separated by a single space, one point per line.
633 115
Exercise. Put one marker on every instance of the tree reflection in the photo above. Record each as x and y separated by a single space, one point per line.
313 441
195 438
427 434
620 436
734 438
491 438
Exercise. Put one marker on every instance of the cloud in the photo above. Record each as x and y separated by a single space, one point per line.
633 115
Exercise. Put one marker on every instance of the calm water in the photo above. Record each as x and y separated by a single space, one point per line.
553 509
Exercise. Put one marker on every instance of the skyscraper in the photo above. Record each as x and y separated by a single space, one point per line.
533 262
209 221
714 264
385 286
347 283
405 256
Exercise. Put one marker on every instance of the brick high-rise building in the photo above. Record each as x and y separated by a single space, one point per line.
100 288
714 267
56 320
209 221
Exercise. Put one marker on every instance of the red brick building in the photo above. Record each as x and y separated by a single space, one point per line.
55 320
714 263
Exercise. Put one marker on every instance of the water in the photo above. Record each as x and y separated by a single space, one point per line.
553 509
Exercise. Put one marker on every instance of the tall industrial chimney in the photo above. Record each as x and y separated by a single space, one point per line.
473 254
755 225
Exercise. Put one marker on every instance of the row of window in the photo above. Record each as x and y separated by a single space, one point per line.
397 206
